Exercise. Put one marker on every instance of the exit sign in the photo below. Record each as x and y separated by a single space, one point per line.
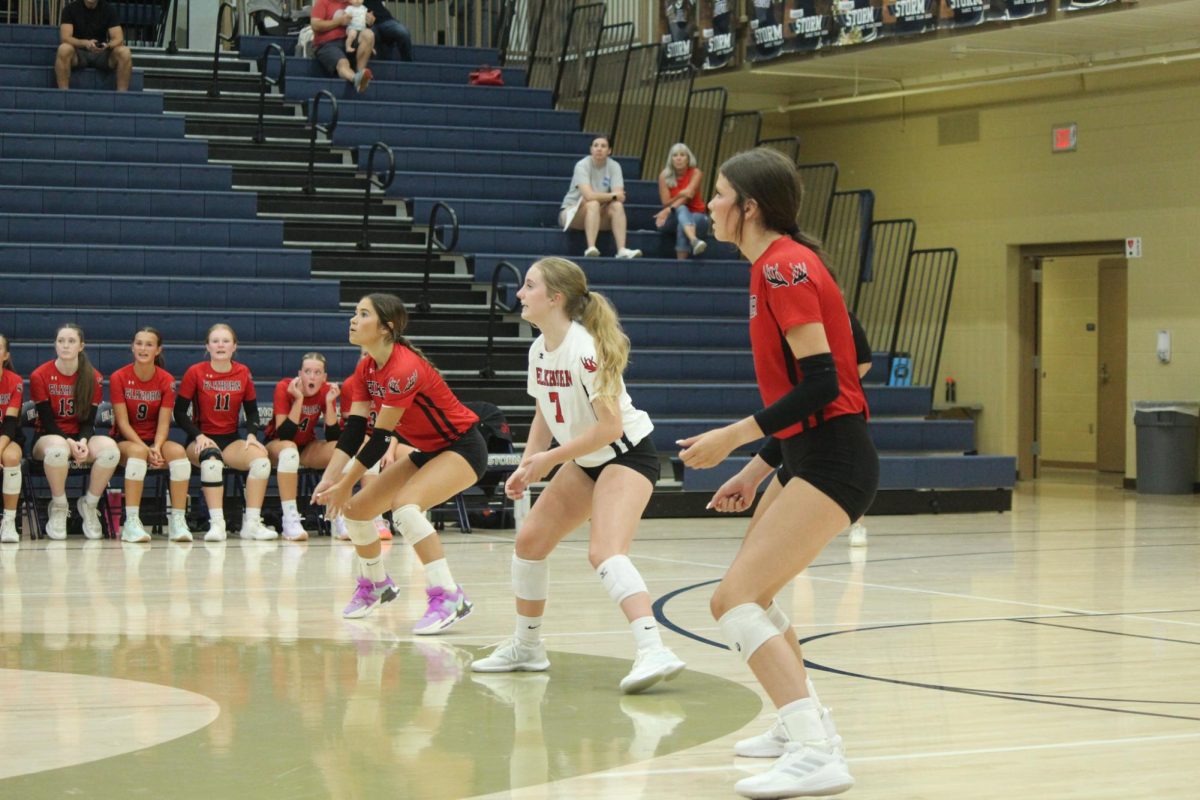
1063 138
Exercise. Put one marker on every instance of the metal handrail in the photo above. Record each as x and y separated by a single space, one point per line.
315 122
423 305
487 371
172 47
364 242
214 90
260 134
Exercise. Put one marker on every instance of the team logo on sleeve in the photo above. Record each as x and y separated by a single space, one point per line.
753 306
589 364
410 383
799 273
771 273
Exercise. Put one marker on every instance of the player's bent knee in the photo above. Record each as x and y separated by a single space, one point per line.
260 469
746 628
530 578
778 618
212 467
55 456
289 460
180 469
361 532
135 469
108 458
412 522
12 480
620 578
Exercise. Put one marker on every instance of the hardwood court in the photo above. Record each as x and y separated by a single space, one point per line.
1050 652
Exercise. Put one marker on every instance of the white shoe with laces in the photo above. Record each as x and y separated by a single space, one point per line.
650 667
253 528
698 247
8 531
625 252
177 529
591 252
773 742
216 531
132 531
512 655
293 529
858 535
805 769
89 515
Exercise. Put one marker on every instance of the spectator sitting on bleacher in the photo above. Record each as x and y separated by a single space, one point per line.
67 393
11 386
596 200
390 33
329 22
91 36
683 205
358 22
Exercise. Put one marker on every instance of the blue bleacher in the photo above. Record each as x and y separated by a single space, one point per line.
116 175
130 259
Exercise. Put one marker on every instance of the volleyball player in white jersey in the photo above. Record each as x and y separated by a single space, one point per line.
607 468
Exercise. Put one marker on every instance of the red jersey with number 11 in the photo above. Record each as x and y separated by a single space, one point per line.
216 397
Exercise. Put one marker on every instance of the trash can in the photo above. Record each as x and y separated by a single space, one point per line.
1166 446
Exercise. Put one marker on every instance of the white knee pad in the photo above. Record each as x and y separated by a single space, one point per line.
620 578
260 468
12 480
411 521
211 470
289 461
530 579
135 469
56 456
180 469
746 628
778 618
373 469
110 458
361 532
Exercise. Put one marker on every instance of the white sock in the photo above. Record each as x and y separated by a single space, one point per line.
289 508
802 720
253 513
10 513
437 573
529 630
373 568
645 633
179 512
91 499
59 501
131 514
216 515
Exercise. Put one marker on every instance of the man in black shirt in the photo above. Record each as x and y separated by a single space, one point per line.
91 36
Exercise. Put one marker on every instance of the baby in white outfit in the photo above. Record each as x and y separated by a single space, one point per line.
358 22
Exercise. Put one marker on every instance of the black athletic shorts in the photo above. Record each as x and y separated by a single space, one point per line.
642 458
839 459
223 440
470 445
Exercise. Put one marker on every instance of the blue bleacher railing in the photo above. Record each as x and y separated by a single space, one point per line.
315 127
497 303
364 241
215 89
423 305
265 81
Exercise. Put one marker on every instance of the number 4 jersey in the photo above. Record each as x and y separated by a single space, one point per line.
142 399
563 382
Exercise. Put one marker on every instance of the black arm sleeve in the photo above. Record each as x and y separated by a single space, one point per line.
250 409
183 419
333 432
87 425
287 431
353 431
375 447
862 346
9 428
817 389
46 417
772 452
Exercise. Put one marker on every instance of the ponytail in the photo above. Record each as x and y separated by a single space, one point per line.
85 386
612 345
8 362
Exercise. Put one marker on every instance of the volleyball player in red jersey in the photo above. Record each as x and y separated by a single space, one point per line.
220 389
410 399
143 397
11 389
395 450
815 420
300 403
67 392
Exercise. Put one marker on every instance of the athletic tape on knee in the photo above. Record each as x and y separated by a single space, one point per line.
361 532
778 618
530 579
180 469
289 461
135 469
109 458
211 470
620 578
12 480
56 457
411 521
260 468
746 628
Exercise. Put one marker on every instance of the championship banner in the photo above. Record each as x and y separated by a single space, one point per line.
716 24
857 21
963 13
1023 9
766 30
910 17
810 24
678 19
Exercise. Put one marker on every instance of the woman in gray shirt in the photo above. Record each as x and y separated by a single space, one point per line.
596 200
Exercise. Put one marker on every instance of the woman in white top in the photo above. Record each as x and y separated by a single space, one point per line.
608 468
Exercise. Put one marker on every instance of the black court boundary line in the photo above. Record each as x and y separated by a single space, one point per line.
1051 700
1107 633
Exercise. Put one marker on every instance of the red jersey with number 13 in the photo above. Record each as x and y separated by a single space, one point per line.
47 383
433 416
142 399
217 397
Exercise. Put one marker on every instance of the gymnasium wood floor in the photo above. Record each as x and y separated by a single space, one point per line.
1050 652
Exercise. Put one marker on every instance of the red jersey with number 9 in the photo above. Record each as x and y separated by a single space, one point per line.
142 399
46 383
433 416
216 397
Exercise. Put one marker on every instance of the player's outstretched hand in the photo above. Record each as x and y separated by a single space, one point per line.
707 449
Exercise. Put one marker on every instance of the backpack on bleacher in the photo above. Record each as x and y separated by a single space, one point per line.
304 43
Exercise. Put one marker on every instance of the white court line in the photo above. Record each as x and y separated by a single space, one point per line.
916 756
